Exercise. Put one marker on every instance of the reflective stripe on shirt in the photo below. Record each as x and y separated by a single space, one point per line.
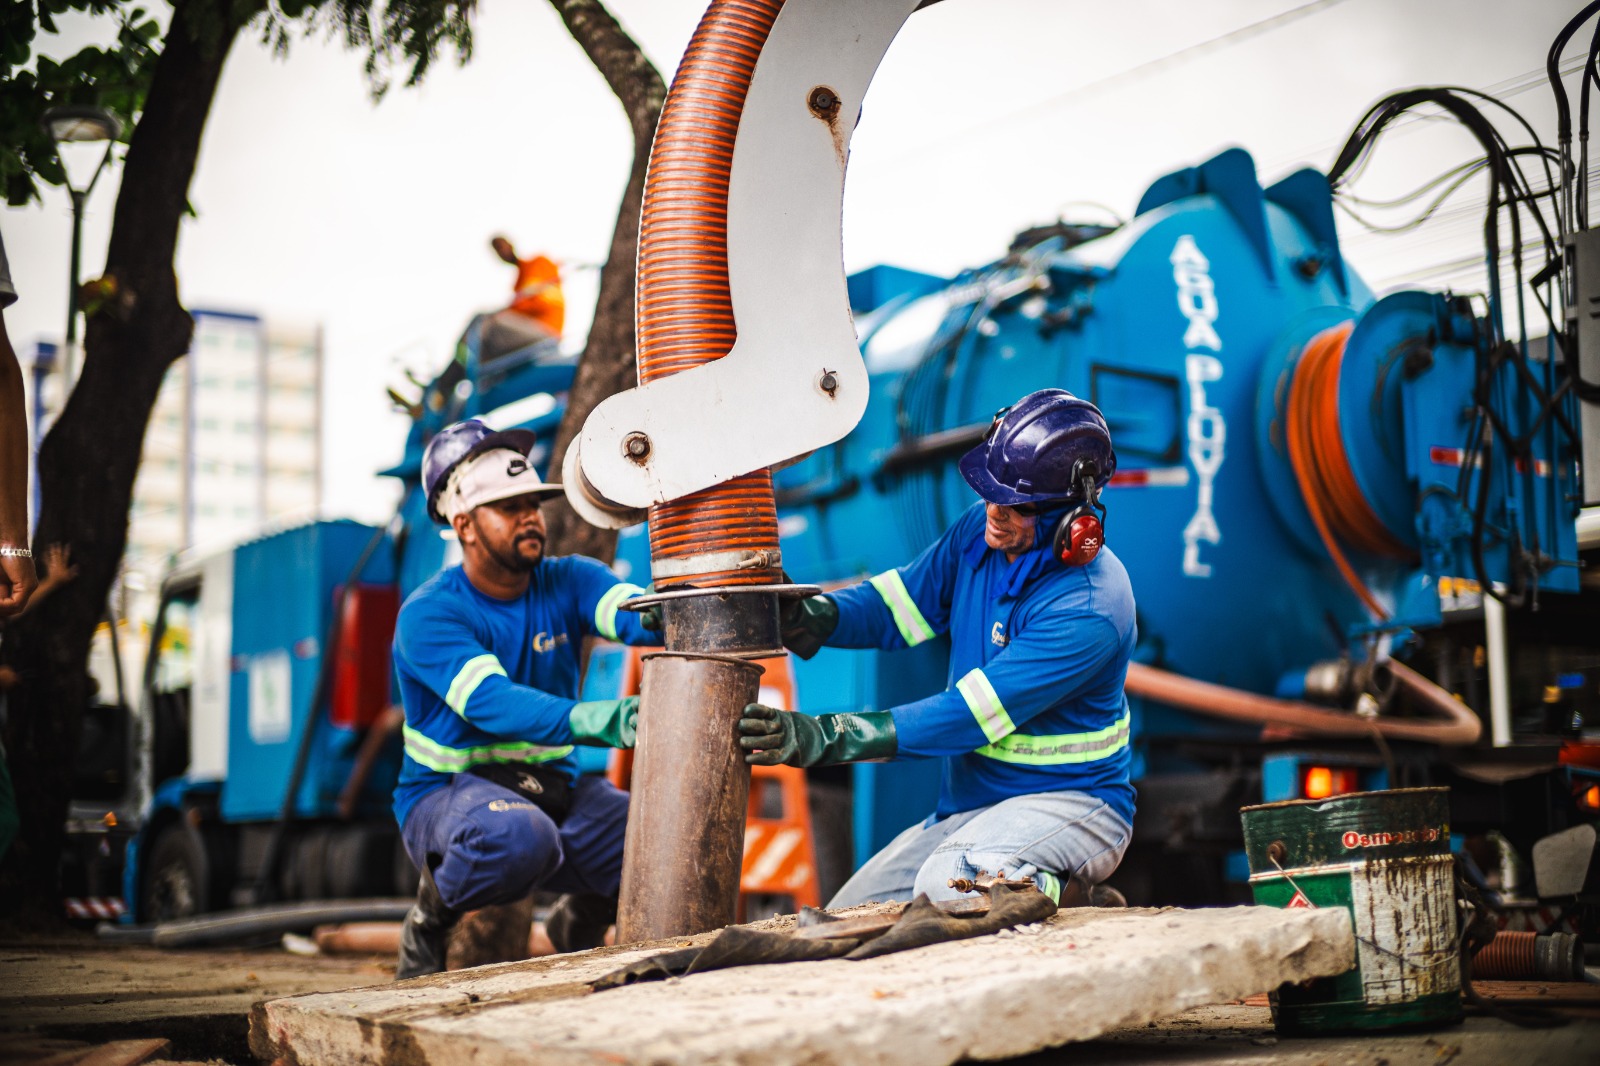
914 629
984 703
477 670
1060 748
436 756
605 612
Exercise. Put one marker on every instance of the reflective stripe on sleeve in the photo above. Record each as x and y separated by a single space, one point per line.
1061 748
447 760
984 703
476 671
914 629
605 612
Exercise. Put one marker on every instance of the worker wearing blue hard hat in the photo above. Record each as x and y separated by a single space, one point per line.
1033 726
489 800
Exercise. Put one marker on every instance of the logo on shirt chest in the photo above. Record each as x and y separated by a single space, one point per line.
543 642
997 635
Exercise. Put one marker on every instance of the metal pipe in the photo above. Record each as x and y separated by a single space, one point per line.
681 860
1460 725
1494 639
681 867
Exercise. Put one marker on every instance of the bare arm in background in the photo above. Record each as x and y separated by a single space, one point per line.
17 576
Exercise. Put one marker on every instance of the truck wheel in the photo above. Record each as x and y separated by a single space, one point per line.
175 881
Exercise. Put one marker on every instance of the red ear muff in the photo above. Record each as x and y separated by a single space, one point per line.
1078 538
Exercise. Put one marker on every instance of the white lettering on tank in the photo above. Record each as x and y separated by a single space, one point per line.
1208 431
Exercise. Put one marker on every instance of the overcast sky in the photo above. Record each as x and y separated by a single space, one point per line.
317 207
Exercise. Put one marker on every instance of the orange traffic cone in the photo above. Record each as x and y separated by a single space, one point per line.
780 855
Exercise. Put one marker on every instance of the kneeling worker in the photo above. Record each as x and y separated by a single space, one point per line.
1034 723
489 801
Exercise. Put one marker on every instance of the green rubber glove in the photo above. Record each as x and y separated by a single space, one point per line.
650 617
605 723
807 624
770 736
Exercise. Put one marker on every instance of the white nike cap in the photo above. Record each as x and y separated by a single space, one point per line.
495 475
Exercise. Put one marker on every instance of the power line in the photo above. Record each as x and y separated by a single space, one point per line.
1134 73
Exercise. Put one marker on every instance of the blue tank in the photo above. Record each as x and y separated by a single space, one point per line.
1187 326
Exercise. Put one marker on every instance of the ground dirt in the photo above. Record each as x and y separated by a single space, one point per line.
71 993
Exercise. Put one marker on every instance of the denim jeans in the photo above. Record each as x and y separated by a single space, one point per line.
1057 834
489 845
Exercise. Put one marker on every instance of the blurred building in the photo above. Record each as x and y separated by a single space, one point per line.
233 445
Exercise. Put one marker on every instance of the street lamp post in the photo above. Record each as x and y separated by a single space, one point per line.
77 125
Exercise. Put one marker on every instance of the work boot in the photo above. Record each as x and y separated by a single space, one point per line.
1106 896
1077 893
425 933
579 920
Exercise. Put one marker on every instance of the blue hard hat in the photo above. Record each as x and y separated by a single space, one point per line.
464 440
1040 449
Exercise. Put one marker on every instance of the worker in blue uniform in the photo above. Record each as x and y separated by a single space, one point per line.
489 801
1033 726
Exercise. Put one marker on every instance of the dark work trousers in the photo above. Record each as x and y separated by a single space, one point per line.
489 845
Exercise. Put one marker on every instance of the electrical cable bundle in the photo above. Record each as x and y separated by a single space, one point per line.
1504 379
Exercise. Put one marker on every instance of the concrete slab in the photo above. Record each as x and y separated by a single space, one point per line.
1081 974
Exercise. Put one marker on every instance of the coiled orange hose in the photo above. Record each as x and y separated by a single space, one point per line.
1338 507
1508 957
684 315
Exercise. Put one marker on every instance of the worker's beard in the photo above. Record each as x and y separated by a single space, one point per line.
521 556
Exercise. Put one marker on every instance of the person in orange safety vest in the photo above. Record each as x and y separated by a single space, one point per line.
537 311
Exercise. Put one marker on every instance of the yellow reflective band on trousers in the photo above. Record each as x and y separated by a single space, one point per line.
984 703
1049 884
1060 748
914 629
605 612
477 670
446 760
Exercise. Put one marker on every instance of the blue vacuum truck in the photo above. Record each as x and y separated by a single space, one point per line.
1355 528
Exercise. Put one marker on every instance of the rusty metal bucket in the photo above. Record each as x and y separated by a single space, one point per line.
1384 857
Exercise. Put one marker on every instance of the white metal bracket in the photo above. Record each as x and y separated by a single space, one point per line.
795 380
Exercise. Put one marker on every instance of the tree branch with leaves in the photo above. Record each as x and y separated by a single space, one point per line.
163 82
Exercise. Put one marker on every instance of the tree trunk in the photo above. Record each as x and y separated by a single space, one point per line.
608 362
88 462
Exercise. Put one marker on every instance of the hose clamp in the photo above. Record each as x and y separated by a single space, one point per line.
715 563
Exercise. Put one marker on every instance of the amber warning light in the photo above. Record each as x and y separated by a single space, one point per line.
1320 782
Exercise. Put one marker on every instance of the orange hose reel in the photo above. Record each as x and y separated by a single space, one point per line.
1332 495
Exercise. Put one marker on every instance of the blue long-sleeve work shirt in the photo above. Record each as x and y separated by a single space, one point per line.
489 680
1034 701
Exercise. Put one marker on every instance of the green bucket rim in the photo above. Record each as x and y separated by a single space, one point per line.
1440 789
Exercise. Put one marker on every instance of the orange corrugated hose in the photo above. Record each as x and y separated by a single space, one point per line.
684 314
1508 957
1338 507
